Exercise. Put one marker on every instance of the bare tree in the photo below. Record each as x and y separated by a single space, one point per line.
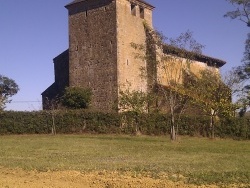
53 107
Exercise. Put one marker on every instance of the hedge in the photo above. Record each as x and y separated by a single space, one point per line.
78 121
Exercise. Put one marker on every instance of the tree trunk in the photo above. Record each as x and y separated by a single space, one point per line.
212 123
53 124
173 132
212 127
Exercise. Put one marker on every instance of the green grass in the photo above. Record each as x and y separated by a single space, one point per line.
200 160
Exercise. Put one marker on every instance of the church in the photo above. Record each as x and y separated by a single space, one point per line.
100 56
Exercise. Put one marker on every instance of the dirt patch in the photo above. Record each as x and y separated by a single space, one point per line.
18 178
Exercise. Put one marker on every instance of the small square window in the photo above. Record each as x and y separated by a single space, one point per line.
142 12
133 9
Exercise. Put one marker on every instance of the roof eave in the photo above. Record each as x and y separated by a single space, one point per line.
168 49
73 3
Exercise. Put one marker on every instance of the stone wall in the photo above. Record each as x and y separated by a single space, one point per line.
130 29
61 70
170 69
93 50
101 55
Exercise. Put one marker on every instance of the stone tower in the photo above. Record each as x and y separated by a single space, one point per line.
100 54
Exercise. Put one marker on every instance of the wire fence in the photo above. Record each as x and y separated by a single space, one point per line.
25 105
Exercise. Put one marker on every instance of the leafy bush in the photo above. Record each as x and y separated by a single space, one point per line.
237 128
76 98
83 121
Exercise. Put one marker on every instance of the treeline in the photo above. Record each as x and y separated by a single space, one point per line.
79 121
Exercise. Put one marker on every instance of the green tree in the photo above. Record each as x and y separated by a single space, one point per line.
8 88
166 67
213 96
242 13
76 98
136 102
244 70
233 81
173 68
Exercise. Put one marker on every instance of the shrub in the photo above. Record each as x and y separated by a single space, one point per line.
76 98
83 121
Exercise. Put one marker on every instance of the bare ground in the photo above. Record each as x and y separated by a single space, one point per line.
17 178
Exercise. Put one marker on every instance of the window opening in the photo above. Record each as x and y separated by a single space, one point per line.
133 9
142 12
111 46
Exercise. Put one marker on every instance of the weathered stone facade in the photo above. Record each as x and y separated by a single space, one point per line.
61 71
100 53
100 56
93 50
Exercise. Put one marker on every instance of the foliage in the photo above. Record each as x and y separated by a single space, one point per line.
135 101
76 98
8 88
242 11
165 70
186 42
236 128
239 95
81 121
244 70
212 95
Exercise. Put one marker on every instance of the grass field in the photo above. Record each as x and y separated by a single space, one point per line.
197 160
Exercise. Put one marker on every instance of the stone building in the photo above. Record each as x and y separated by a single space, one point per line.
100 56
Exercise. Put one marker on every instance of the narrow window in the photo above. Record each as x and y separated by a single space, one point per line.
142 12
111 46
86 13
127 61
133 9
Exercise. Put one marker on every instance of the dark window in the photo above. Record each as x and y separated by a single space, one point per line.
86 13
142 12
133 9
111 46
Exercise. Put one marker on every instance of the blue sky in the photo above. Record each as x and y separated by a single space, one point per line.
33 32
